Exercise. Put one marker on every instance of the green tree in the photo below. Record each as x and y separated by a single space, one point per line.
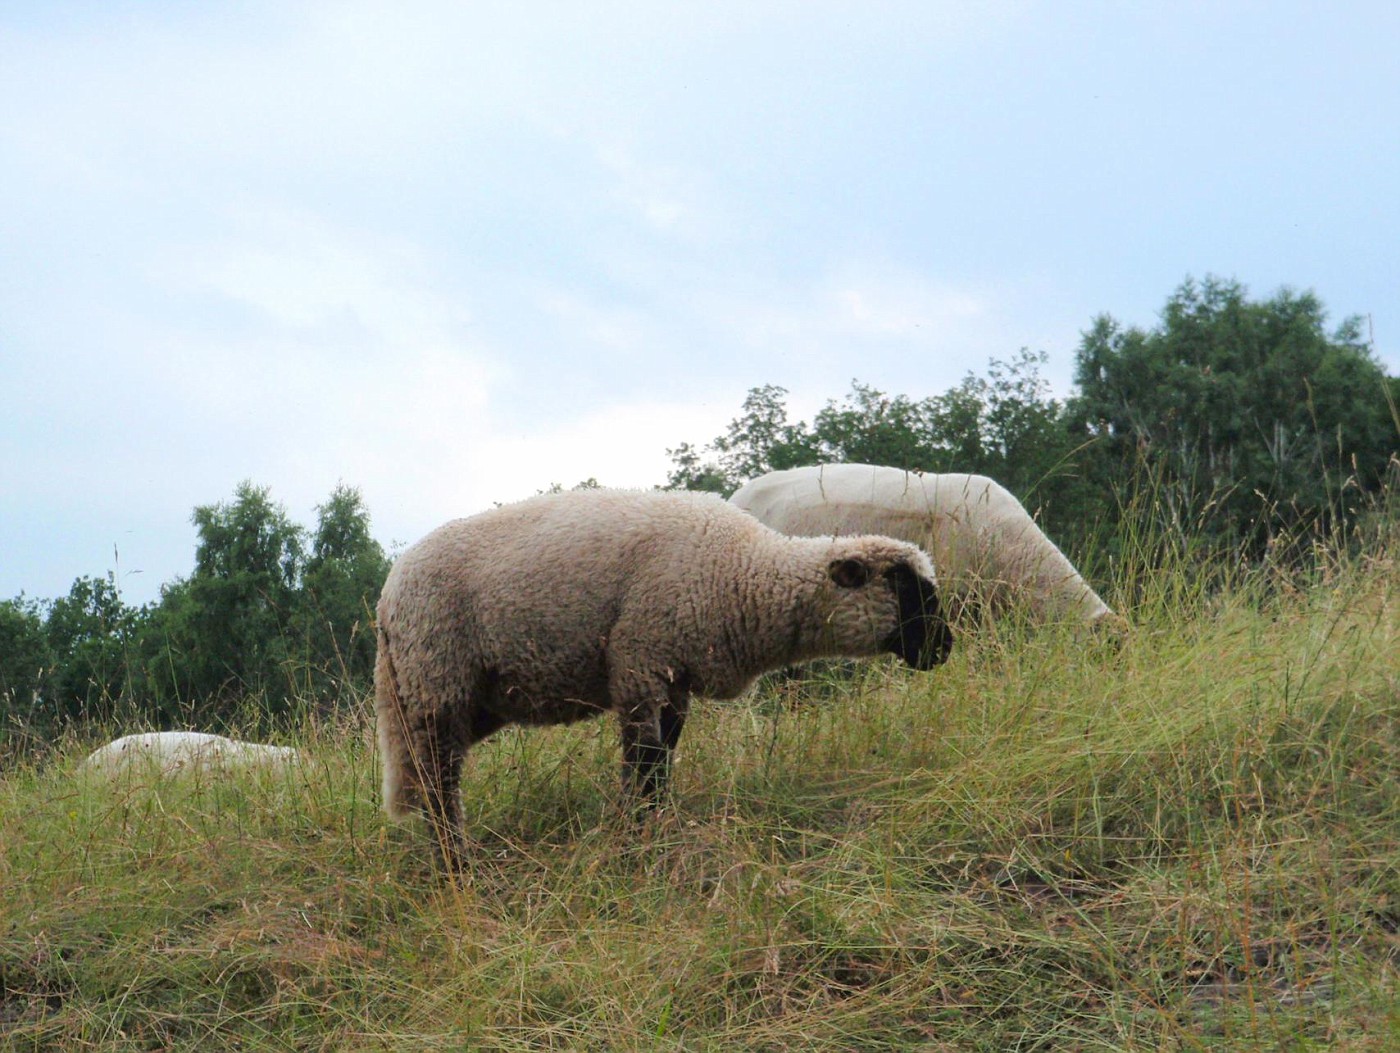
91 634
1004 425
25 661
225 633
340 586
690 472
1027 441
591 483
870 427
1250 415
762 439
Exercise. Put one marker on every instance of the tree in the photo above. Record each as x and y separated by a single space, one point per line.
1005 425
762 439
91 634
591 483
25 659
225 633
340 587
689 472
1252 417
870 427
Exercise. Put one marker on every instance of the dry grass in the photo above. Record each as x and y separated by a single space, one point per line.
1191 841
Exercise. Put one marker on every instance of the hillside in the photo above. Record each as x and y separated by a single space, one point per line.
1188 841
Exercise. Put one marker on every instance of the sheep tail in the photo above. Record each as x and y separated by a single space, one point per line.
392 730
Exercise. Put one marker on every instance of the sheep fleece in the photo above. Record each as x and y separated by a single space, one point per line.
568 605
173 752
987 548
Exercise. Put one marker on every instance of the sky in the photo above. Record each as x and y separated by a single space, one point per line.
453 253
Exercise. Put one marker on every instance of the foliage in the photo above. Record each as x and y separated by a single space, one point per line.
1235 424
261 618
25 657
981 425
91 635
340 587
1253 417
225 632
1005 425
590 483
761 440
1244 420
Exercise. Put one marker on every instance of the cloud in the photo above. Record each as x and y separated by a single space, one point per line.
346 357
893 303
297 272
620 330
878 318
354 364
454 254
668 200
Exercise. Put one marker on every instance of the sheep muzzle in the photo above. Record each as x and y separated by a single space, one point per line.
923 638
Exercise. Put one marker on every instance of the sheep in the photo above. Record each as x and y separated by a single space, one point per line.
988 550
566 606
178 752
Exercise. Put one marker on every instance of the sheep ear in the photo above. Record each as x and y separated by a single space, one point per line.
849 573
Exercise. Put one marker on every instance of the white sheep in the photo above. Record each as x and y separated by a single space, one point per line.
988 550
570 605
178 752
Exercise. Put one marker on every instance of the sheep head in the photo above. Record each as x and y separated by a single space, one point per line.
920 635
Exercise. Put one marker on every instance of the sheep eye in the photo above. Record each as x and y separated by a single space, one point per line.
849 573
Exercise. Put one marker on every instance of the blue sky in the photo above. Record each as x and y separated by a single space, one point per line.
451 253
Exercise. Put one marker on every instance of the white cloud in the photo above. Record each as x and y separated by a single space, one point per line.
358 369
615 329
299 271
879 321
885 302
669 201
621 445
454 254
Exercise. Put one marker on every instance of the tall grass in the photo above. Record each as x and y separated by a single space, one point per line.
1189 839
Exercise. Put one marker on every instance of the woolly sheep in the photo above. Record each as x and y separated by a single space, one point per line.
986 547
569 605
176 752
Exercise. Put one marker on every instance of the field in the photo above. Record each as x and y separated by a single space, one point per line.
1189 840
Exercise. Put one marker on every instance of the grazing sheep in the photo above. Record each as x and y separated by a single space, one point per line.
987 549
177 752
570 605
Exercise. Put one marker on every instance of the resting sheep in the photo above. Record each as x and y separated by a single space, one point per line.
988 550
178 752
570 605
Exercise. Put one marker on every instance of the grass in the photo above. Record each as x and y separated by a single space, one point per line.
1191 841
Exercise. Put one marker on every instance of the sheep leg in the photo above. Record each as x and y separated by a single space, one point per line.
673 716
649 736
644 756
440 775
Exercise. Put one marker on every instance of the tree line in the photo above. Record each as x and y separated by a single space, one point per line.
1239 422
272 616
1234 423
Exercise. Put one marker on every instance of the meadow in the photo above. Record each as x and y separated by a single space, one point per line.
1186 839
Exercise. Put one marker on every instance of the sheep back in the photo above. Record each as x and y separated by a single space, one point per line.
988 550
179 752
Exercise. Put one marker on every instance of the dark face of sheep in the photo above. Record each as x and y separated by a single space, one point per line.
923 638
